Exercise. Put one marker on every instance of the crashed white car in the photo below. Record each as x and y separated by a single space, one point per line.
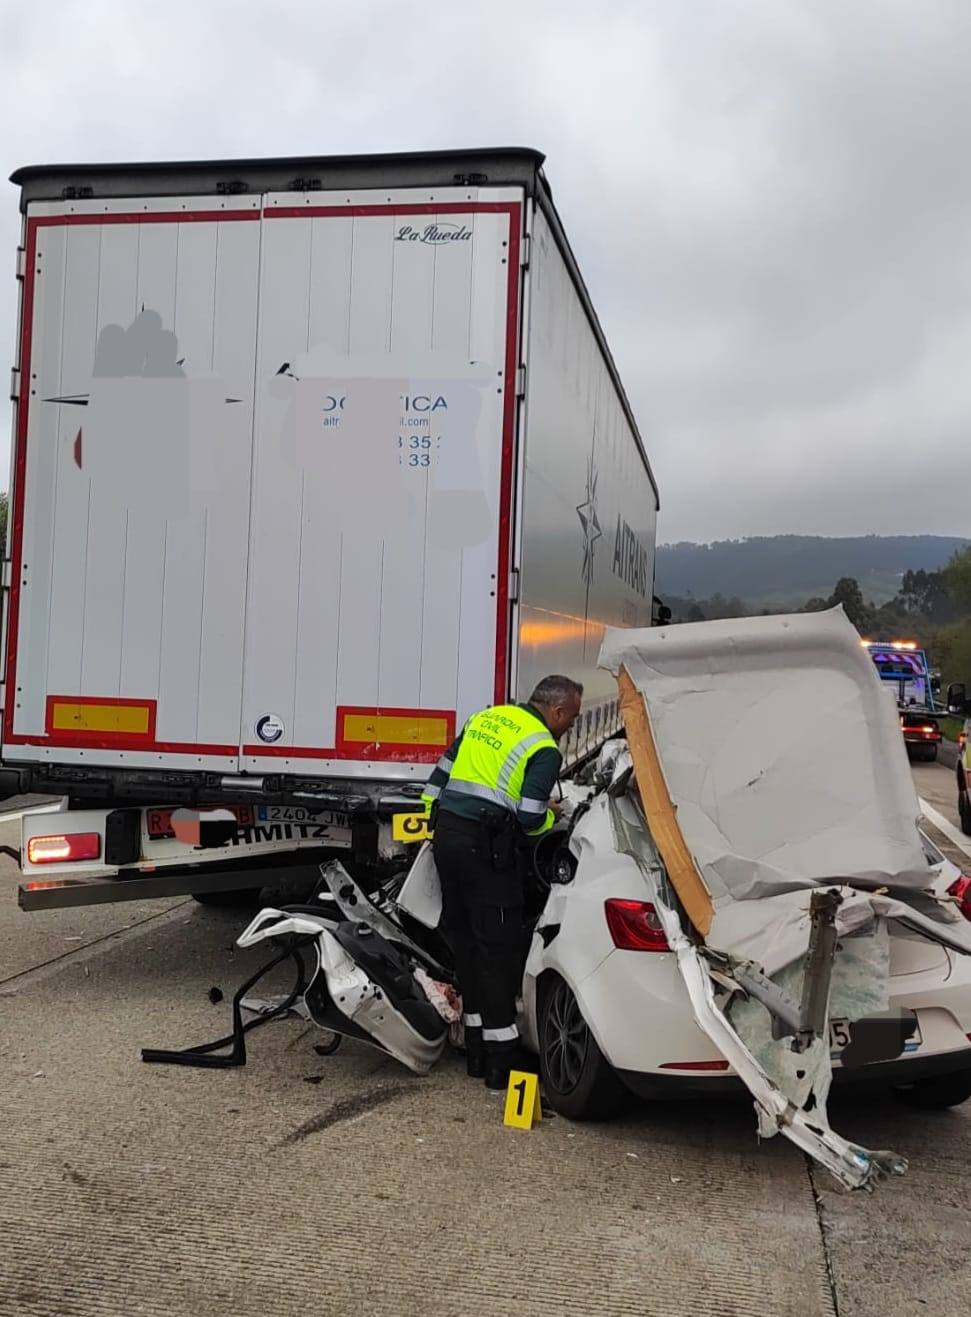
751 911
607 1009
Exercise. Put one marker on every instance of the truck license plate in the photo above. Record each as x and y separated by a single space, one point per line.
300 814
261 824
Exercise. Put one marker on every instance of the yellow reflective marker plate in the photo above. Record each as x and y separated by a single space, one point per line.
410 827
523 1109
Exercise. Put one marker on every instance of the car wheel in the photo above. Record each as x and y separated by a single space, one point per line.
938 1092
964 811
578 1081
930 754
242 896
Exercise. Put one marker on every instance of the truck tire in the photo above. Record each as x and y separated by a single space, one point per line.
578 1080
964 812
938 1092
236 896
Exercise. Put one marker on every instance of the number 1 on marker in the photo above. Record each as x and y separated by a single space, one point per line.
523 1109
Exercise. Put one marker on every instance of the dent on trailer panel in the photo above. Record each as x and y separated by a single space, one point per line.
589 515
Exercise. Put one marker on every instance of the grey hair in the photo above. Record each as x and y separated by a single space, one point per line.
555 690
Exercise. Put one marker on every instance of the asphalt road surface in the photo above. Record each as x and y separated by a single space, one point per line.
339 1185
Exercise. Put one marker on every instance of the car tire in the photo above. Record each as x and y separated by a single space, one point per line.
964 812
578 1080
938 1092
236 896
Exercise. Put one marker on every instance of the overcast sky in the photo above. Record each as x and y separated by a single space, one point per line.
771 201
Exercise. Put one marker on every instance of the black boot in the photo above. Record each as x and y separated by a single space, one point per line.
475 1058
501 1058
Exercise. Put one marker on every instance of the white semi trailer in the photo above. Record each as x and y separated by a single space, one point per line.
312 458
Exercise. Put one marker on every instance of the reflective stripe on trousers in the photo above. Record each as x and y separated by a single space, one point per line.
507 1035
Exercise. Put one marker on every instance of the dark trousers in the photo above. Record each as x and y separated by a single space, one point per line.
482 908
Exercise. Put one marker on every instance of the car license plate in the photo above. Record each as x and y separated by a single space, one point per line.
839 1037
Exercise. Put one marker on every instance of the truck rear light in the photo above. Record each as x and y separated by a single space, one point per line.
634 925
64 846
960 889
694 1065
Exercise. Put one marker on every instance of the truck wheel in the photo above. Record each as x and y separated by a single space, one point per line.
241 896
964 810
578 1081
938 1092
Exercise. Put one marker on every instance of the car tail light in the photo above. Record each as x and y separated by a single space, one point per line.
962 740
960 889
64 846
634 926
694 1065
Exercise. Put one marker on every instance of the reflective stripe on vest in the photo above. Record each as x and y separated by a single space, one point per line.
497 745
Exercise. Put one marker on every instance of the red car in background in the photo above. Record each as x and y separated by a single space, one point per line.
922 734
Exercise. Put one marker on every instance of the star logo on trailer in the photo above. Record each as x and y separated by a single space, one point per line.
587 512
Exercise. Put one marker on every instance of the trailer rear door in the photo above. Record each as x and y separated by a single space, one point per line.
263 479
132 482
382 476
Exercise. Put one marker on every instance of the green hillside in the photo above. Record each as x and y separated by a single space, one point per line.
779 571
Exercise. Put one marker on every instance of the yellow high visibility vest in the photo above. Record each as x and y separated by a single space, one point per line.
497 745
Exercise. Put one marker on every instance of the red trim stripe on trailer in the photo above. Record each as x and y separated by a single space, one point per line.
388 754
508 459
416 208
20 467
393 753
188 748
147 217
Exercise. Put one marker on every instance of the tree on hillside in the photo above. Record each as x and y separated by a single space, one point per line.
957 578
926 594
849 594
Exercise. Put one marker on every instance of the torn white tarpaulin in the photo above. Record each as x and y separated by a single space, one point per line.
781 754
787 769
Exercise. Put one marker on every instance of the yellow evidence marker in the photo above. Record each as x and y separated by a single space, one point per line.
523 1109
410 827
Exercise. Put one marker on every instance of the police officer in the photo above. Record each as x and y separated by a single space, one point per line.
489 790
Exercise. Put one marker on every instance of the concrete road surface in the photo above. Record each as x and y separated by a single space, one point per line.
342 1185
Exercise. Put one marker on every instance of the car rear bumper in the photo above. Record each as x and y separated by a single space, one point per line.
897 1073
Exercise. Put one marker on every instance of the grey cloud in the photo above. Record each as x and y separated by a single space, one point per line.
771 201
